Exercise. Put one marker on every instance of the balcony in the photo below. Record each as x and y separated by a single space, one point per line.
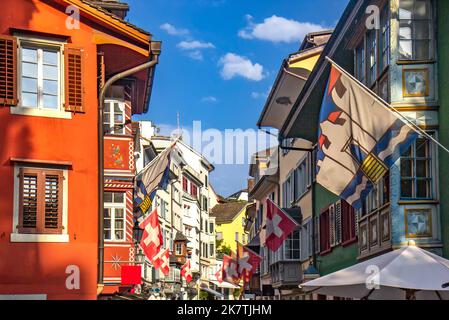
286 274
375 232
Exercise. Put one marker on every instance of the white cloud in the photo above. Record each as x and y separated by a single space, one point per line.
234 65
191 45
278 29
261 95
257 95
172 30
209 99
196 55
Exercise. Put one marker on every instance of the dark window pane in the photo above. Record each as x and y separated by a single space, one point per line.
421 148
422 50
421 168
406 168
423 189
107 197
406 188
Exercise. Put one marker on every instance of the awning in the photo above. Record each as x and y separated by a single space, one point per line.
291 79
213 292
224 284
282 97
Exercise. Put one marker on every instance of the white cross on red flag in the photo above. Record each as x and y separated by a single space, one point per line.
151 242
278 226
229 270
186 271
162 261
248 261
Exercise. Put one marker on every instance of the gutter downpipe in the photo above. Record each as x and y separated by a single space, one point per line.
155 50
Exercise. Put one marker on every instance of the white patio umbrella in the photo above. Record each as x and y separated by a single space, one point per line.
405 274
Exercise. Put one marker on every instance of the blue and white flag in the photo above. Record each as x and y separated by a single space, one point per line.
149 180
359 139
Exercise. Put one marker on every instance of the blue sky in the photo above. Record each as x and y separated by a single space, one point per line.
220 58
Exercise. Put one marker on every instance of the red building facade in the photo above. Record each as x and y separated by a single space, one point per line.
54 57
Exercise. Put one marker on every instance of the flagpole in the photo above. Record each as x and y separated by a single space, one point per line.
288 216
389 107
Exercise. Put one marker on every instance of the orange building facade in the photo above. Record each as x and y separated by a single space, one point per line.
54 57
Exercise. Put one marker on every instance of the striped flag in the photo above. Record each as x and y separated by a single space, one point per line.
149 180
359 138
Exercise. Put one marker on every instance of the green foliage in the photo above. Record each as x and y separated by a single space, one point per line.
236 293
222 249
204 295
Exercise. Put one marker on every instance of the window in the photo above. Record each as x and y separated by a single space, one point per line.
348 222
371 48
288 191
211 227
193 190
178 249
236 236
384 60
114 216
301 179
114 117
212 249
360 62
292 246
40 201
164 209
185 184
415 30
416 171
206 183
40 76
205 203
378 197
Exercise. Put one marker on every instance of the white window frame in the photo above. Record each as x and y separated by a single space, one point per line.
51 238
113 206
121 103
180 249
40 43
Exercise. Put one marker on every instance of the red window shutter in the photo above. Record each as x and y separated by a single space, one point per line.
74 86
8 71
184 184
324 232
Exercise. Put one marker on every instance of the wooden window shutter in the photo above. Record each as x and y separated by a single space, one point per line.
332 232
28 201
74 78
8 71
53 202
338 231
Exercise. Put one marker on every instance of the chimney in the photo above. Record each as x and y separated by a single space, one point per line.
250 185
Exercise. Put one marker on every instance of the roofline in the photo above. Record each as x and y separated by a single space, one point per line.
116 23
232 220
343 23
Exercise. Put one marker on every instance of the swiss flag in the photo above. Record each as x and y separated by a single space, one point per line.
186 272
248 261
152 239
230 269
219 276
278 226
162 261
